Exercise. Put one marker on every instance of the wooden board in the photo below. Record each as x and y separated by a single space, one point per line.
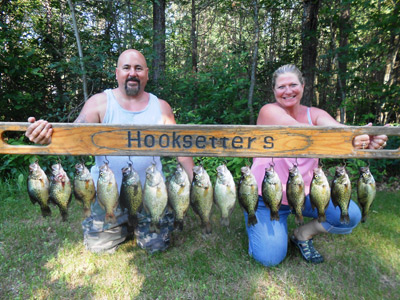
201 140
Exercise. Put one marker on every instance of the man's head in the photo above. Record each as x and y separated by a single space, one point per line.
132 73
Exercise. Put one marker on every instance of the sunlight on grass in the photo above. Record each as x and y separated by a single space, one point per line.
45 258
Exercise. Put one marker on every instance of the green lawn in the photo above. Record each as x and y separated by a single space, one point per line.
45 258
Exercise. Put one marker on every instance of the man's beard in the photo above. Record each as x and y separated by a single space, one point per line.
132 91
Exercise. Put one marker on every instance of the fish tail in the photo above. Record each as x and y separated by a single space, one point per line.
274 215
207 228
64 214
321 217
154 228
364 217
225 221
86 212
344 219
178 224
110 218
46 212
252 220
299 219
133 220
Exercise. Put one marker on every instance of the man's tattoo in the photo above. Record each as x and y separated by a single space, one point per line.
81 119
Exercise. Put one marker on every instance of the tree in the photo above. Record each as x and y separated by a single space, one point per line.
158 65
309 47
78 44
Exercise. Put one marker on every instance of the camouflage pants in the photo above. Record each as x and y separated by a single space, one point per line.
105 237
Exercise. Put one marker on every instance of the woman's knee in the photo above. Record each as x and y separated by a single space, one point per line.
268 259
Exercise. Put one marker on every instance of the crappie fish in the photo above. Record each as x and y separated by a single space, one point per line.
155 197
60 189
341 193
225 193
201 196
84 189
179 195
366 191
272 192
107 193
248 194
295 193
38 188
320 193
131 196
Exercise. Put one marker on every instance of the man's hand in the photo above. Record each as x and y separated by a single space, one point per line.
39 132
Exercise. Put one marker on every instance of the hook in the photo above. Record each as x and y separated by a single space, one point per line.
106 160
272 163
130 161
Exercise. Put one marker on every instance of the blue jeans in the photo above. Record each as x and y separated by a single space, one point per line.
268 240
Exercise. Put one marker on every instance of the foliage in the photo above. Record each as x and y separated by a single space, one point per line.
40 74
14 166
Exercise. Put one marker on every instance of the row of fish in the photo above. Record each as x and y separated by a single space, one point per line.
320 192
179 193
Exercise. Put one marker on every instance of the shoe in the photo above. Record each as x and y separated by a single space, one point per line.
307 250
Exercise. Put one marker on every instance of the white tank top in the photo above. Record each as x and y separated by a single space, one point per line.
115 114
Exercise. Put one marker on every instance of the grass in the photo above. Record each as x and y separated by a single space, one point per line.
45 258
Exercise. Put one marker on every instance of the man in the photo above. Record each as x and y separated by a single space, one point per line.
126 104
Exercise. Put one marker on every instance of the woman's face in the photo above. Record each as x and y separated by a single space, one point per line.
288 90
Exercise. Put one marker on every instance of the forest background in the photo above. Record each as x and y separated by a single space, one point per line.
213 62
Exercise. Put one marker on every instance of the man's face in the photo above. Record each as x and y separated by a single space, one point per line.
132 72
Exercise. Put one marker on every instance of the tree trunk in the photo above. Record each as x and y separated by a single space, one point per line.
342 56
78 42
158 40
254 64
193 38
309 47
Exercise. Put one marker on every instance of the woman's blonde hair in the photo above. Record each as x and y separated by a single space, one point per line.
287 69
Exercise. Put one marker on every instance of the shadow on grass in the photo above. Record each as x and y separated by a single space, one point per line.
45 258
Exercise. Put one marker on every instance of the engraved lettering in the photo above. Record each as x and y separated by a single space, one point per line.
166 142
213 139
268 142
250 140
149 141
187 141
130 139
201 142
237 140
175 140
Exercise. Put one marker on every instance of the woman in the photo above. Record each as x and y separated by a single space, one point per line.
268 239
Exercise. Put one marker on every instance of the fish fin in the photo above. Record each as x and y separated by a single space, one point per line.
252 220
46 212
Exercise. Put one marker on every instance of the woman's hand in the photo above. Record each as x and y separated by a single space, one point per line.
378 141
373 142
39 132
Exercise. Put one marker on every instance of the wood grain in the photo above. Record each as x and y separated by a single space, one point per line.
202 140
